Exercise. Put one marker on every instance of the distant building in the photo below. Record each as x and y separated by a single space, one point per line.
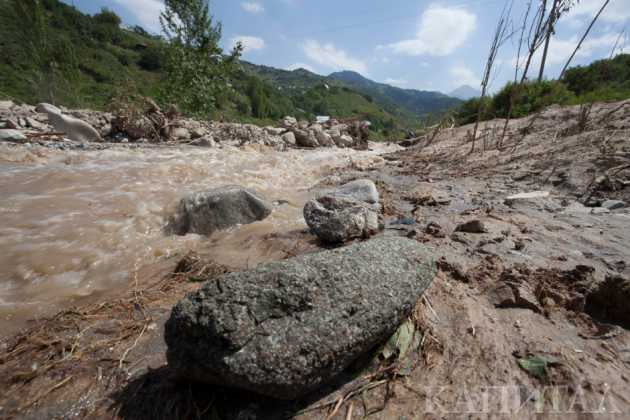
216 58
367 123
127 27
322 119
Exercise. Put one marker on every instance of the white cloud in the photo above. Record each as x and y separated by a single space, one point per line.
617 11
464 76
401 81
146 11
440 31
385 60
253 7
249 42
560 50
328 56
424 64
301 66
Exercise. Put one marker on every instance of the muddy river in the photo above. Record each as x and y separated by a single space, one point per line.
75 224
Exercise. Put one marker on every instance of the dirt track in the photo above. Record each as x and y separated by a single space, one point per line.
558 270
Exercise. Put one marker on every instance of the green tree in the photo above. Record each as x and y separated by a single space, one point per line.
194 78
107 17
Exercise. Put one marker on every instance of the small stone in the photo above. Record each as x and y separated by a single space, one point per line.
501 295
33 123
526 300
407 221
526 196
12 124
613 204
600 210
473 226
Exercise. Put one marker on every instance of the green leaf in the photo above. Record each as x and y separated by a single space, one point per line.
408 362
537 365
199 279
390 347
406 337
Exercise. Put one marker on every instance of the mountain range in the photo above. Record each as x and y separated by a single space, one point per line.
465 92
409 104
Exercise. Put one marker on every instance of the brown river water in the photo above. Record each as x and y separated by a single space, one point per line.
77 224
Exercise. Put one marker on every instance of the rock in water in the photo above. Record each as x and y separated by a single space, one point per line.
77 130
284 328
207 211
361 189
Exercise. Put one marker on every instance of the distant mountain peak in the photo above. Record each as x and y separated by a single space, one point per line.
465 92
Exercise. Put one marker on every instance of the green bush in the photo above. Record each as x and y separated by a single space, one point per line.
123 59
151 60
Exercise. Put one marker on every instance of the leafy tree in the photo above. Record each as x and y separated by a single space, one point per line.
107 17
193 79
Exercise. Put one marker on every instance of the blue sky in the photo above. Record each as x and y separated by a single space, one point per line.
422 44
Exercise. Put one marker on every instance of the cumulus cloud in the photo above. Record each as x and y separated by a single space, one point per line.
560 50
327 55
616 12
385 60
464 76
253 7
440 31
146 11
401 81
424 64
249 42
301 66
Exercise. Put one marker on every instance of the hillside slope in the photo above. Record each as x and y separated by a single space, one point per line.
419 102
299 80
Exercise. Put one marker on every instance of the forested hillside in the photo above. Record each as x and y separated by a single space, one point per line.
419 102
88 59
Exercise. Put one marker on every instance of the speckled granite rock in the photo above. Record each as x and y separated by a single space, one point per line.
344 212
285 328
207 211
361 189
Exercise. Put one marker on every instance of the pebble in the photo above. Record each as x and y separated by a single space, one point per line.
613 204
407 221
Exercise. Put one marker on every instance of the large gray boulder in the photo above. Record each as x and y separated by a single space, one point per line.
11 135
342 128
323 139
289 139
335 219
77 130
361 189
205 212
273 131
334 135
305 138
6 105
285 328
345 141
288 122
